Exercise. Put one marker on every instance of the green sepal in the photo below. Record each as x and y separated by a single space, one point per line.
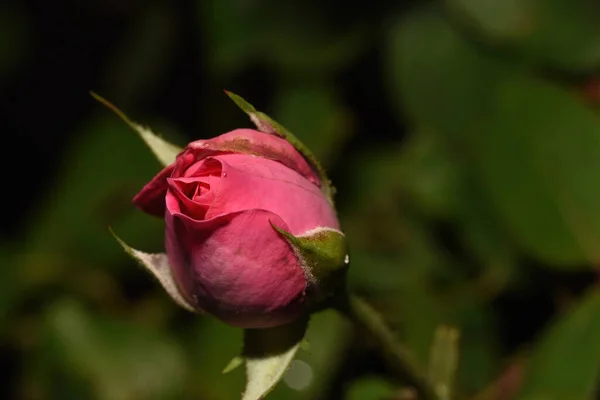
268 354
164 151
266 124
158 265
323 253
233 364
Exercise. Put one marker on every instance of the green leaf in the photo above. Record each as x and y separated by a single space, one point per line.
237 33
538 162
103 167
427 172
446 85
264 123
158 265
118 360
510 19
566 363
210 344
313 369
531 149
230 45
562 33
316 110
441 80
269 353
480 354
397 356
321 50
164 151
371 388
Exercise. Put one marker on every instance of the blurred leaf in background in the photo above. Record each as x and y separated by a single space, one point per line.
566 362
561 33
117 360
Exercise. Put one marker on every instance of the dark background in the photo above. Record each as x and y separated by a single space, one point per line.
463 141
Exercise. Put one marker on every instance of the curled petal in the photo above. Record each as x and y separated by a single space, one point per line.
151 199
258 183
189 196
251 142
241 141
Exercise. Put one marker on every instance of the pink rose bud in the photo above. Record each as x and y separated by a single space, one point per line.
250 237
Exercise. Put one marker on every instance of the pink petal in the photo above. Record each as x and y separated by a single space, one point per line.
251 142
249 182
236 267
190 196
151 199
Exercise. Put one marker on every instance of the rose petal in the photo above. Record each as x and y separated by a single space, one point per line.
257 183
251 142
204 167
183 197
236 267
243 141
151 199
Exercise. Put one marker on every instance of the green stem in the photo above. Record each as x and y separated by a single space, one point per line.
398 358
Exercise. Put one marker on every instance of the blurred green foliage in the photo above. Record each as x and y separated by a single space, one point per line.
466 156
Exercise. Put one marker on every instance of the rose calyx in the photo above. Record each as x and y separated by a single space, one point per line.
323 254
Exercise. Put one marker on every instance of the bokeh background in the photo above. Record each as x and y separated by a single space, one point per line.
463 137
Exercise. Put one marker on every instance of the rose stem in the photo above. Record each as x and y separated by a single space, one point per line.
397 357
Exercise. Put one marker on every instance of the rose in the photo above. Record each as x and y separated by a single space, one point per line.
244 214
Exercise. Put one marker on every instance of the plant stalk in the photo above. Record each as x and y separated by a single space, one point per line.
398 358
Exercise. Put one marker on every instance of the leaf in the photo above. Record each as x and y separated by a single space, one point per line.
118 360
427 172
316 110
164 151
101 170
566 363
397 356
264 123
561 33
210 344
538 163
237 32
269 353
442 81
319 51
313 369
531 148
480 355
372 388
508 20
158 265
